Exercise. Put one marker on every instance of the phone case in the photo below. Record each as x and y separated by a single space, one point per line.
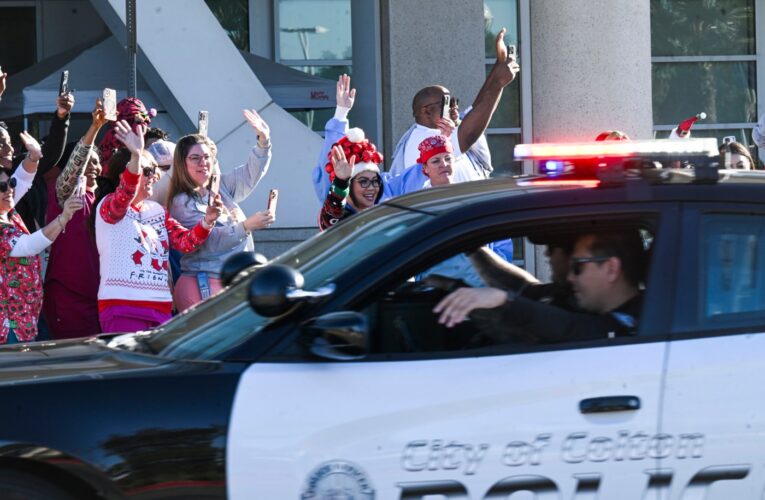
273 198
110 104
213 186
202 123
63 87
445 102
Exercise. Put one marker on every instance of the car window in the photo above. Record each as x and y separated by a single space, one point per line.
732 267
401 317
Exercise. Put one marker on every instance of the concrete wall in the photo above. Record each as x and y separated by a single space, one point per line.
67 23
428 42
591 69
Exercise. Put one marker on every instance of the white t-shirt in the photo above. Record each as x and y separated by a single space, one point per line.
463 168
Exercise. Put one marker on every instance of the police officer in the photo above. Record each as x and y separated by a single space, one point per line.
605 271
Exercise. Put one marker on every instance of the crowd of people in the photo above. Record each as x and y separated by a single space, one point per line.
138 226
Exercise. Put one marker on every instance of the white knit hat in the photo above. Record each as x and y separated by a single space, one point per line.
163 152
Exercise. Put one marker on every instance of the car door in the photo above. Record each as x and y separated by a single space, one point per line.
713 401
457 424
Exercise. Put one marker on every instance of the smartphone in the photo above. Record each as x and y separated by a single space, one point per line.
445 102
213 187
202 123
512 52
110 104
273 198
63 86
728 139
79 190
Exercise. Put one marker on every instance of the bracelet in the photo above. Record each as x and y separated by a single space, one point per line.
61 224
205 225
33 161
267 145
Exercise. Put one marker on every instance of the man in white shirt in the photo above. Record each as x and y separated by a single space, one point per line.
426 109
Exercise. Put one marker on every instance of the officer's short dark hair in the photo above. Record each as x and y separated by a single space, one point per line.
627 246
4 125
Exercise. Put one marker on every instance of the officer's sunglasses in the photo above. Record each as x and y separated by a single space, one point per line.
5 185
576 265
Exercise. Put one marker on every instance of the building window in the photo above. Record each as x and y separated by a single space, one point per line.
704 60
504 131
233 16
314 36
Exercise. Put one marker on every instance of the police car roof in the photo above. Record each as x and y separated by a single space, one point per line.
660 184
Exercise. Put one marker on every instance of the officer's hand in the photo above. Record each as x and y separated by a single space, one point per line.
455 307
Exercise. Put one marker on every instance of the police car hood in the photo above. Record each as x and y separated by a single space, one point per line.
81 358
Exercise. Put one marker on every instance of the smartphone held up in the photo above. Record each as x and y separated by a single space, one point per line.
202 123
273 199
110 104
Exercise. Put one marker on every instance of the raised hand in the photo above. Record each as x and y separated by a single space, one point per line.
343 168
31 145
132 140
64 105
98 115
346 96
505 68
259 125
214 210
259 220
446 126
71 205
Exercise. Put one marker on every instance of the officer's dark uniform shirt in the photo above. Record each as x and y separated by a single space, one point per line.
548 323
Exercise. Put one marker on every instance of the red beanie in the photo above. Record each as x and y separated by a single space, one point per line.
432 146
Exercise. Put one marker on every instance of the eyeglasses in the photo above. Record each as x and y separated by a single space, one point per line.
5 185
149 171
577 264
365 183
199 159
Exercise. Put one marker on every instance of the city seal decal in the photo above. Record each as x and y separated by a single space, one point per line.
338 479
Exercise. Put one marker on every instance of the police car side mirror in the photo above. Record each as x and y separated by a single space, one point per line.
340 336
275 289
237 263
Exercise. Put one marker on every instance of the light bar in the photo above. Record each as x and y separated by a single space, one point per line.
616 149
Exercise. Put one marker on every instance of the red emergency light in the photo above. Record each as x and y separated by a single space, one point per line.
662 148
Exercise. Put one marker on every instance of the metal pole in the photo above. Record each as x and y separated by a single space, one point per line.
132 45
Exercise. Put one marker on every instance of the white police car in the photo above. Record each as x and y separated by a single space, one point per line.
343 385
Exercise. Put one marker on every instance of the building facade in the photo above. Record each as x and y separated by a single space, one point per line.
587 67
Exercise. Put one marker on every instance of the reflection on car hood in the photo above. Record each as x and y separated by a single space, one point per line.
86 358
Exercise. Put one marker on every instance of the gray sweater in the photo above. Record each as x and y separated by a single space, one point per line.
228 236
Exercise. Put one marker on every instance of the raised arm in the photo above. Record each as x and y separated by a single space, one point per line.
334 130
242 180
75 166
475 122
114 207
27 245
499 273
188 240
54 145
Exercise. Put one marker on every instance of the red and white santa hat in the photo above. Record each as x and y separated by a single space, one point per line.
683 130
356 145
432 146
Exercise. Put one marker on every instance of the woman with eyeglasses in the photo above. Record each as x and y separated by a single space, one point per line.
194 167
355 176
20 266
134 236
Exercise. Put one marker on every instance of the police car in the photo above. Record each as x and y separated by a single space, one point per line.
325 374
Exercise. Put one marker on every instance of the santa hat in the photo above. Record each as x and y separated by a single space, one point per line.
612 135
683 130
432 146
356 145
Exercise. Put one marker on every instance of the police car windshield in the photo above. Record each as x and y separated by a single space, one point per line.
215 326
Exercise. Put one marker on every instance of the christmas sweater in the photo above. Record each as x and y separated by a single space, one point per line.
133 245
20 285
